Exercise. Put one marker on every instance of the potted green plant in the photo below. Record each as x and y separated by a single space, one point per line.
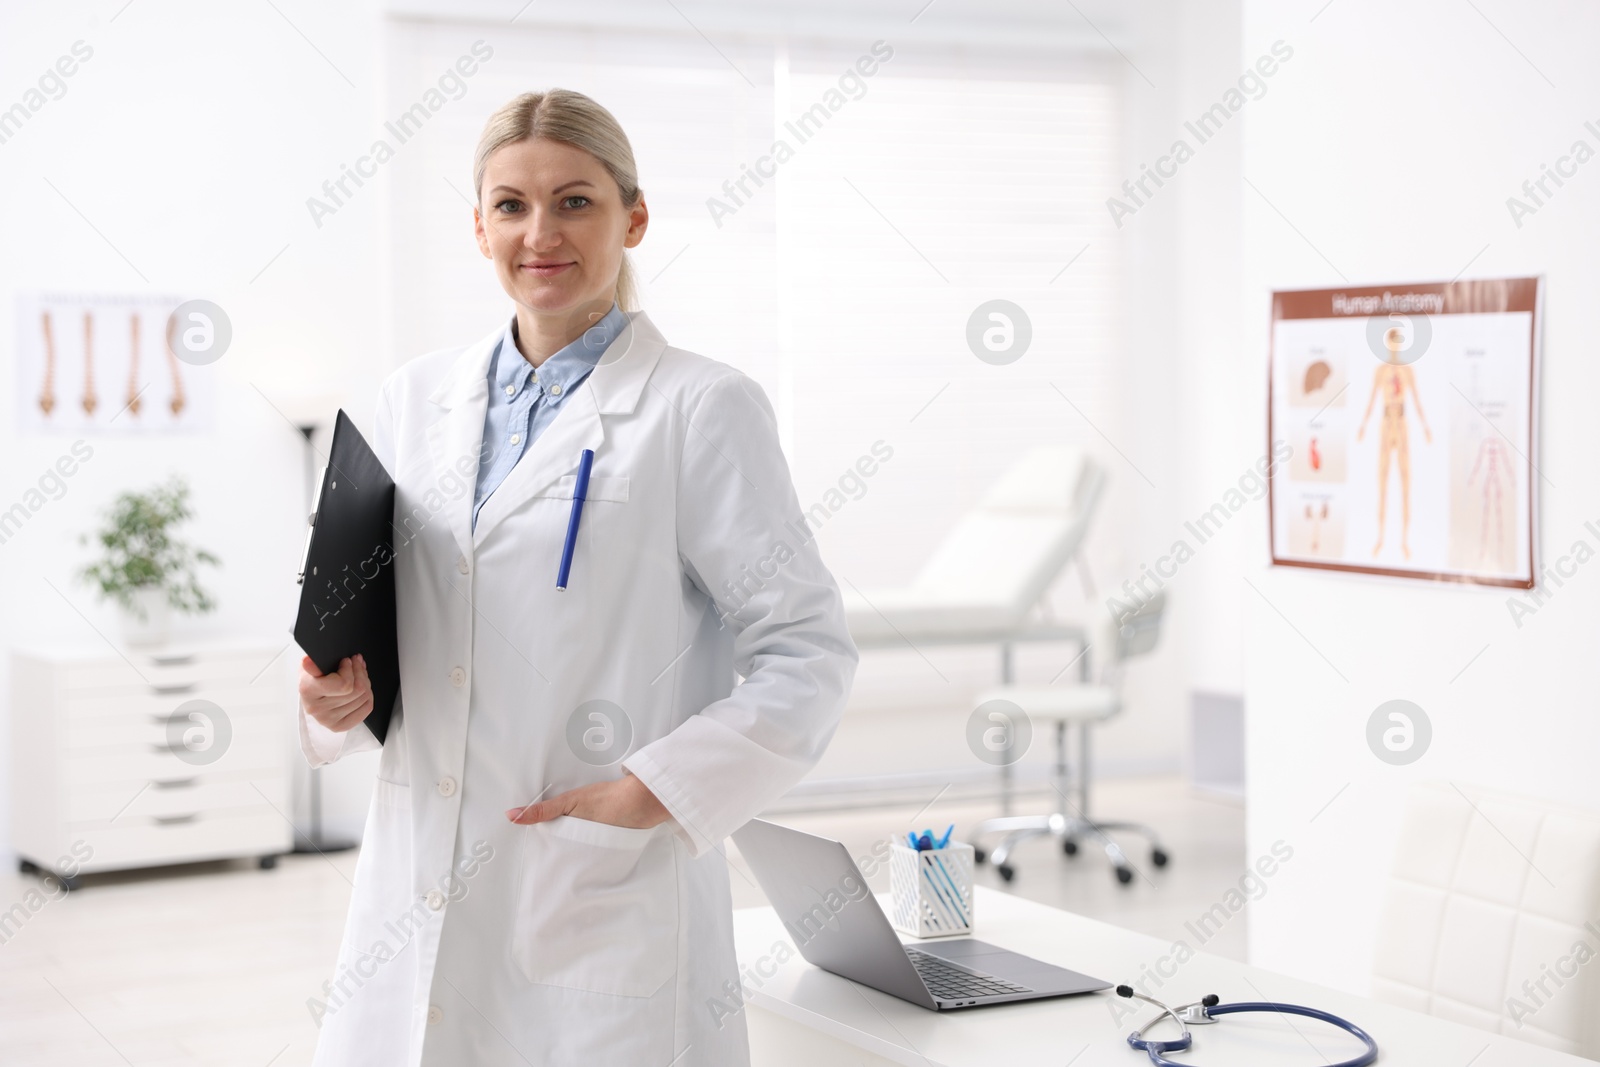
144 567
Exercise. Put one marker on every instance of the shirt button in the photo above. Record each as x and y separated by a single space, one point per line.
435 899
461 564
555 390
516 438
447 787
511 390
458 677
435 1014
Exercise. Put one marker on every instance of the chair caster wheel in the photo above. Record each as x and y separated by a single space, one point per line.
1159 857
1124 875
71 884
1070 847
266 863
1007 872
978 854
27 867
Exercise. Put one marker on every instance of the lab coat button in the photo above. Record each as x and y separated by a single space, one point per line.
461 564
458 677
447 787
435 899
435 1014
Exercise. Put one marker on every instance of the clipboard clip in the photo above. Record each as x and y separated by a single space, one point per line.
311 529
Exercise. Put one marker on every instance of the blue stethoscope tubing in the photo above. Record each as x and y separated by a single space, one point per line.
1157 1050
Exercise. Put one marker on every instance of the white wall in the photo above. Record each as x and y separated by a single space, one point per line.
1216 445
188 144
1391 142
1180 420
1136 447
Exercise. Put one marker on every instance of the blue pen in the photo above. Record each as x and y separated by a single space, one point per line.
950 904
925 842
911 838
945 840
579 491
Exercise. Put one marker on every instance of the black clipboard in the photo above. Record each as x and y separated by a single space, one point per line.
347 593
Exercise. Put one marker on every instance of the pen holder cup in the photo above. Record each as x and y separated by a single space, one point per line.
931 890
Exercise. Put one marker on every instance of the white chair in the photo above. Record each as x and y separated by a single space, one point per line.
1490 916
1085 706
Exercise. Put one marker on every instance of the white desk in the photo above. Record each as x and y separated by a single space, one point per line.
803 1015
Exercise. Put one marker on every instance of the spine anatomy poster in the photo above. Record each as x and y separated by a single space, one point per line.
1410 412
107 363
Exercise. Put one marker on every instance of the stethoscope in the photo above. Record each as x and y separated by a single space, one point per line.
1208 1008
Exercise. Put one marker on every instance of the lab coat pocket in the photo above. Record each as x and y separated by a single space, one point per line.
612 487
597 908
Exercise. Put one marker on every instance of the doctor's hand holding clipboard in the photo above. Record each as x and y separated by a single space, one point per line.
339 700
585 554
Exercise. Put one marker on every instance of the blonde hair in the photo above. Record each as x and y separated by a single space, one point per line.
574 119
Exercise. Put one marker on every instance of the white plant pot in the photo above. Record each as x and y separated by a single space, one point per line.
147 623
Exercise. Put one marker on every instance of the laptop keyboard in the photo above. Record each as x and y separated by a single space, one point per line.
946 981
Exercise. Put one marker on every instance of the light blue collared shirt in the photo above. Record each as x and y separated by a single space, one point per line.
522 401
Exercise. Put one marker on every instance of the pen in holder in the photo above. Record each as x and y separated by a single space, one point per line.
931 889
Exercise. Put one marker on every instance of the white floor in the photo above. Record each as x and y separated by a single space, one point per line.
213 963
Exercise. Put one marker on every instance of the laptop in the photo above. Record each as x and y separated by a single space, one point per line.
819 893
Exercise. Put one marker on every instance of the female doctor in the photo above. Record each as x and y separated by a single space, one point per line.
541 879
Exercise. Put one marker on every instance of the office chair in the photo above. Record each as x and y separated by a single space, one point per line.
1488 898
1083 706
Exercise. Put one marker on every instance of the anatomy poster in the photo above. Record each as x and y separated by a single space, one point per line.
1410 410
106 363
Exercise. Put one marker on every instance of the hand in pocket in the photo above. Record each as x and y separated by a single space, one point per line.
623 802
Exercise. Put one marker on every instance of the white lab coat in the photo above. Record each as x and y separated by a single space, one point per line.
471 940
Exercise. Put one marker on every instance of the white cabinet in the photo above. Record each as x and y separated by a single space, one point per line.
167 755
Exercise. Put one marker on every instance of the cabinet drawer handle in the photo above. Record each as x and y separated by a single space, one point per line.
170 690
159 720
174 660
176 820
175 783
